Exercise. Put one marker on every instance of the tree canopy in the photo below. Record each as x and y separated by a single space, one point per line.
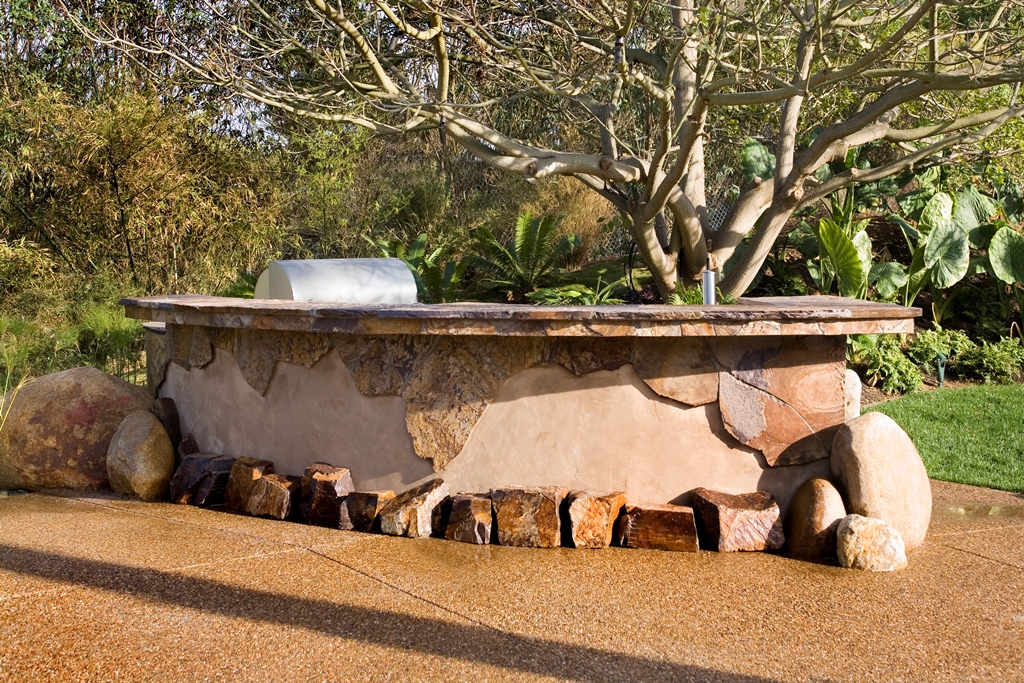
636 99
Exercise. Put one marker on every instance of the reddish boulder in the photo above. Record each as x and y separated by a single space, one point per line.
58 429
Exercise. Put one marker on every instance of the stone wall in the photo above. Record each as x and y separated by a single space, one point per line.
652 416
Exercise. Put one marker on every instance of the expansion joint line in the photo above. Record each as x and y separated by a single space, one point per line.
984 557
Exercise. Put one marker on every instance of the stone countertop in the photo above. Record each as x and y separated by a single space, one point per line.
769 316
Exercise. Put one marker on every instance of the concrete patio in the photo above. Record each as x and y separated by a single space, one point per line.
98 588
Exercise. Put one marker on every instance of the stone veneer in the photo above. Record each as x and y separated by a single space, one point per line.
654 401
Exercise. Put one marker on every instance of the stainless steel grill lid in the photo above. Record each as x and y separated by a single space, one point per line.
351 281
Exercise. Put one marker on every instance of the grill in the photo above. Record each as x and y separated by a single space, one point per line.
350 281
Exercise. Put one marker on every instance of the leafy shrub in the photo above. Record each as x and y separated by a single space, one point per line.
881 360
927 345
1000 362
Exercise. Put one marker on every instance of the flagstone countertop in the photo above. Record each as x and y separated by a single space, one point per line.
768 316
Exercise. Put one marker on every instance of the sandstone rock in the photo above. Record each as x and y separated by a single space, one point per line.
529 517
324 488
592 517
680 368
729 523
658 527
361 510
881 475
59 427
470 520
244 474
783 395
201 479
166 411
851 394
275 495
871 544
412 513
811 523
188 446
140 460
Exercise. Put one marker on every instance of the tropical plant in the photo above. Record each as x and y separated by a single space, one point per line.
526 262
436 282
577 295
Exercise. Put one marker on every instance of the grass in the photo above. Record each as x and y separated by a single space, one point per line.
973 435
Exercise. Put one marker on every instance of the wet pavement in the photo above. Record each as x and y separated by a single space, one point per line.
98 588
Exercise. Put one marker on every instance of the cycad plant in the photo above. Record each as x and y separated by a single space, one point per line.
526 262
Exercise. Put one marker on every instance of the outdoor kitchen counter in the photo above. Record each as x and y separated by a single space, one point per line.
817 315
650 400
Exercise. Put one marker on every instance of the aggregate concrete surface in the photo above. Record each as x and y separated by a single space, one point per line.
94 587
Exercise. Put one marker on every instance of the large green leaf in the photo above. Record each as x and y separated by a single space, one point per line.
913 203
938 209
947 253
982 235
862 243
756 161
1010 196
888 278
1006 254
840 258
930 179
973 208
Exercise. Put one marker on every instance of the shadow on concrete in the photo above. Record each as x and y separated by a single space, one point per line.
423 635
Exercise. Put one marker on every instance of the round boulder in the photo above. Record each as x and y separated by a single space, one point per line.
59 429
140 461
878 468
869 544
814 515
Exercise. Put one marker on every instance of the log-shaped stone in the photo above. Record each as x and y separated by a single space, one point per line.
275 495
360 510
529 517
470 520
811 523
244 474
869 544
412 513
324 488
201 479
729 523
658 527
592 517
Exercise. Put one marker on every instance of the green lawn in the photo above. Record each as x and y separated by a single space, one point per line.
973 435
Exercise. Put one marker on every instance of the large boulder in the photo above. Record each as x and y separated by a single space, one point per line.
814 515
881 474
140 460
59 429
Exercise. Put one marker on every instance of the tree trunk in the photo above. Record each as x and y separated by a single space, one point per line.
663 265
